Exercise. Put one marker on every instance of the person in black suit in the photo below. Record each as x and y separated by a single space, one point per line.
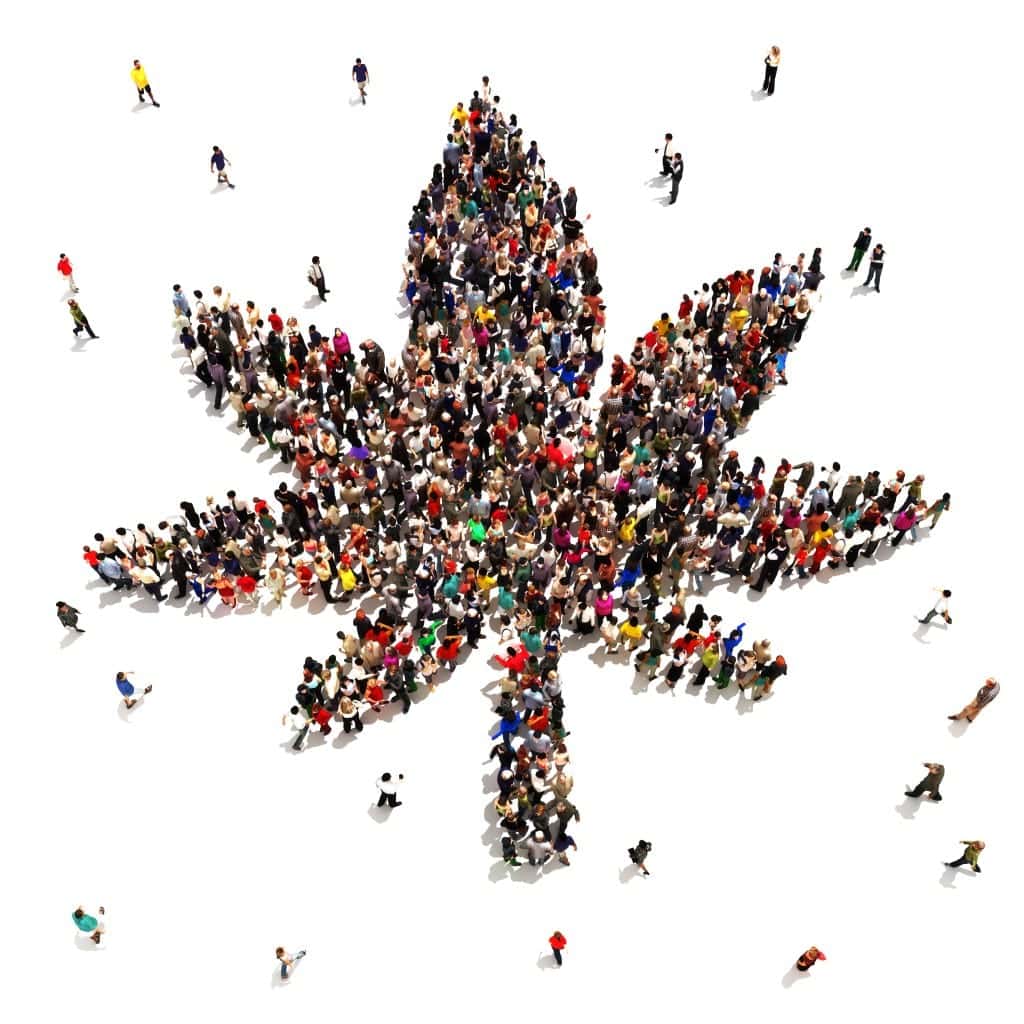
677 176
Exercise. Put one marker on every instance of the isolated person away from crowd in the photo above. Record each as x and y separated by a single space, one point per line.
315 276
941 607
930 783
972 851
388 788
361 75
771 69
288 961
141 82
988 693
88 924
218 163
557 942
638 854
808 958
68 616
127 690
81 320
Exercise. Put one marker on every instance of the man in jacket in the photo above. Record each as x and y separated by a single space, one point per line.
677 177
972 851
988 693
930 783
860 247
68 616
81 320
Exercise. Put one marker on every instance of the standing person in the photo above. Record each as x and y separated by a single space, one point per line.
81 320
557 943
972 851
68 616
288 962
389 790
638 854
860 247
127 690
930 783
667 151
361 75
875 267
677 177
941 607
988 693
218 161
142 83
315 276
87 923
67 272
180 302
771 69
809 958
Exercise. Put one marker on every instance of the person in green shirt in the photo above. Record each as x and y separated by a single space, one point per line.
81 320
972 851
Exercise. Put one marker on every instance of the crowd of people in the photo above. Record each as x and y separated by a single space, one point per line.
480 477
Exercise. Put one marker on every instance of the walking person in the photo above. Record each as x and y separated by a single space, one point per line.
941 607
67 272
300 722
988 693
88 924
389 790
288 961
808 958
315 276
68 616
667 151
771 69
141 81
875 267
638 854
930 783
361 75
127 690
860 247
218 163
81 320
677 177
972 851
557 943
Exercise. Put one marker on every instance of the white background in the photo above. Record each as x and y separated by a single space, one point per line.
208 843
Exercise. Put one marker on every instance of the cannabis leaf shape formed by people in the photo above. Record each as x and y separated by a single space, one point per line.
476 465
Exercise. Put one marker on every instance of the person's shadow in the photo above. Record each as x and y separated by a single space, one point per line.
379 814
69 640
949 876
86 945
909 808
792 976
546 961
276 981
861 289
956 728
628 873
758 95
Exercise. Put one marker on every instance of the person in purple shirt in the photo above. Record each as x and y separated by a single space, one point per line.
360 75
218 161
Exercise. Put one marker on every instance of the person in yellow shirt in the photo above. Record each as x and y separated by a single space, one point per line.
460 114
631 633
142 83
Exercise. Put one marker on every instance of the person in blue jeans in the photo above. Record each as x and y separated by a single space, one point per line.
288 962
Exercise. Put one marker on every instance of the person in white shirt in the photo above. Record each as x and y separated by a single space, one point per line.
941 608
388 788
667 151
315 276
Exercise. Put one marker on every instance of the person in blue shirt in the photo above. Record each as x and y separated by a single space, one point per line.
361 75
88 924
113 573
127 690
218 161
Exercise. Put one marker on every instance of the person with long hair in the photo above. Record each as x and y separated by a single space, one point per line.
771 69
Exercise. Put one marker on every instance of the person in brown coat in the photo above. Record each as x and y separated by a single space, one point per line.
988 692
930 783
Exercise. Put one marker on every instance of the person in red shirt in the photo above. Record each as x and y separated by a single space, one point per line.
809 958
93 559
449 651
275 321
64 266
558 943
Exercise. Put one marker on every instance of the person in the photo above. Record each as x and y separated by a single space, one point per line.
771 69
389 790
218 163
315 276
972 851
68 616
141 81
88 924
988 693
558 943
67 272
638 854
287 961
808 958
875 267
667 151
300 722
81 320
860 246
509 854
941 607
677 177
361 75
930 783
127 690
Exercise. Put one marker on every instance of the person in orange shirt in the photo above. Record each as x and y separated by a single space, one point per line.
557 943
142 83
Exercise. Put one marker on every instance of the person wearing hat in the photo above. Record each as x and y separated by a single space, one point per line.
988 693
972 851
